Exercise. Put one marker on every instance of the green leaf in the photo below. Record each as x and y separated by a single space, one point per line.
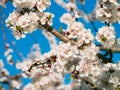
9 22
71 77
19 29
49 17
104 39
61 29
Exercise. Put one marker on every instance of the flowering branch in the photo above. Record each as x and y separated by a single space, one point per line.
77 54
56 33
9 79
117 50
65 39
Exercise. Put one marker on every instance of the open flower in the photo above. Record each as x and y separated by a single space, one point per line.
106 36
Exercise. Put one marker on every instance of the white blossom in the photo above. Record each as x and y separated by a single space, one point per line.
106 36
90 52
71 6
16 84
67 18
42 4
3 3
29 87
46 18
77 32
20 3
64 87
1 64
25 65
5 71
106 10
20 25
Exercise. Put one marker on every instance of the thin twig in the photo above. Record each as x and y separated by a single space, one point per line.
91 22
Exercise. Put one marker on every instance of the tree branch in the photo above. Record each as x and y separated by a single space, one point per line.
117 50
88 80
57 34
65 39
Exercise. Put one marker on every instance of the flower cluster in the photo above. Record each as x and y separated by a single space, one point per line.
71 8
3 72
47 82
106 36
25 65
67 18
81 64
22 24
77 32
28 16
107 11
65 55
46 18
8 54
39 4
89 52
5 77
51 81
2 2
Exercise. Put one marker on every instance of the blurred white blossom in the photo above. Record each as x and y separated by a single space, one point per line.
106 36
107 11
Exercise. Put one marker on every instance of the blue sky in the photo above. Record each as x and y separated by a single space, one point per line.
23 45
